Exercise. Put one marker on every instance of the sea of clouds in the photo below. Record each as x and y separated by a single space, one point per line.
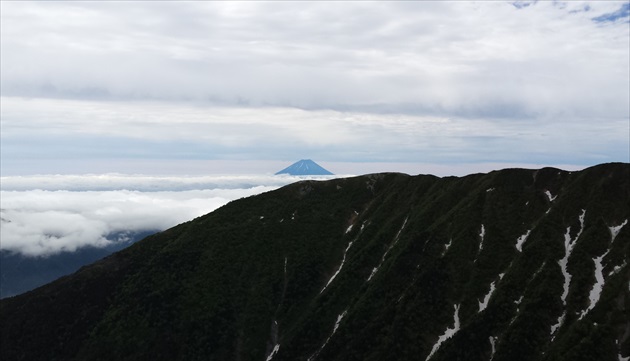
48 214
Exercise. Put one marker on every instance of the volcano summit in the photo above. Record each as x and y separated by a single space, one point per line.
305 167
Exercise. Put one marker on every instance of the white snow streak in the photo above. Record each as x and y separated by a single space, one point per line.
614 231
273 352
340 267
555 327
599 268
447 246
521 240
617 269
375 269
349 229
482 234
539 270
493 341
339 318
399 231
447 334
596 291
621 358
551 197
484 303
568 246
344 255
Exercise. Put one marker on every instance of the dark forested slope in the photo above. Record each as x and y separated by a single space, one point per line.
511 265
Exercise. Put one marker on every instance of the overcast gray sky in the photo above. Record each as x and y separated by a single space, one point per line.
103 86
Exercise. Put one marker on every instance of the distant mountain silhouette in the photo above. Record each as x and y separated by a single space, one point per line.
305 167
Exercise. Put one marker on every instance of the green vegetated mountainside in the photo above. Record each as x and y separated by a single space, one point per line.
511 265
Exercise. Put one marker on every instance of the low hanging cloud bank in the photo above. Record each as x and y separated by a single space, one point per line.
217 184
65 215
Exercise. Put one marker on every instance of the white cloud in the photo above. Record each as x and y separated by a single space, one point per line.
40 222
214 184
458 58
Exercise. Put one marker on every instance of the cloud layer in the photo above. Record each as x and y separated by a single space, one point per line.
63 216
459 58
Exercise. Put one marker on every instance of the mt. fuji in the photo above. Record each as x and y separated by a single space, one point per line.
305 167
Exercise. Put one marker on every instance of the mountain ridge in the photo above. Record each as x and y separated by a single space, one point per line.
372 267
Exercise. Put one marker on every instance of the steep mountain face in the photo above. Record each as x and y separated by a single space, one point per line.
304 167
511 265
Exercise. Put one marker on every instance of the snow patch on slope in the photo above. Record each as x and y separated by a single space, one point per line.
493 341
343 260
273 352
598 286
447 246
482 235
568 247
550 196
447 334
617 269
596 291
555 327
483 304
521 240
345 252
375 269
614 231
339 318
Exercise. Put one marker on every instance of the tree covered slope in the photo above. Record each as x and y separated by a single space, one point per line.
511 265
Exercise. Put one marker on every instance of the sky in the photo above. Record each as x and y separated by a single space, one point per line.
154 97
105 85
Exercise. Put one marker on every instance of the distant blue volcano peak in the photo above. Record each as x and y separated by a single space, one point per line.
305 167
